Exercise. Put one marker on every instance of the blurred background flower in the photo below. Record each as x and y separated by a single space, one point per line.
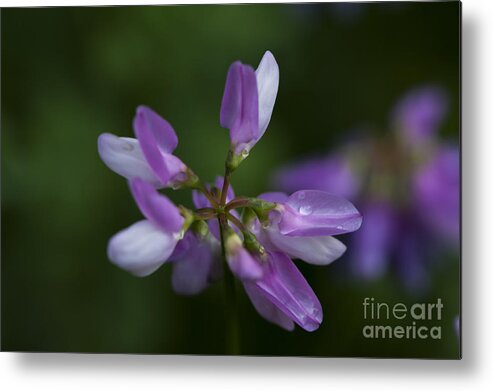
408 183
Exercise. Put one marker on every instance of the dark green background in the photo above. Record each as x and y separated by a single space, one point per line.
69 74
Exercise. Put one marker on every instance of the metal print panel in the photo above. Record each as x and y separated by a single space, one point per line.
232 179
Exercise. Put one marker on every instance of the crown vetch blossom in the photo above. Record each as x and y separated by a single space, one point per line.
408 189
150 156
257 245
248 102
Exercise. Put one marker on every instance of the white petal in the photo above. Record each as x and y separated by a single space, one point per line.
124 156
317 250
267 84
141 248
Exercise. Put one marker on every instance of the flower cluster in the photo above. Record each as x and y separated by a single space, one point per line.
259 243
408 186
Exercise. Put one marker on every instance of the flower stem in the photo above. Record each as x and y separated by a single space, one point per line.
224 191
236 222
208 195
232 321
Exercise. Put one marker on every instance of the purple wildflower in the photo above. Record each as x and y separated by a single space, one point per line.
409 193
418 116
257 246
150 156
248 101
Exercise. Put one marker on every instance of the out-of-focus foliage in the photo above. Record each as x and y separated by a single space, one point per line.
69 74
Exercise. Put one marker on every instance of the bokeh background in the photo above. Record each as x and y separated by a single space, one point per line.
69 74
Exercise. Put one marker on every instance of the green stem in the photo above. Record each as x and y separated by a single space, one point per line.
232 321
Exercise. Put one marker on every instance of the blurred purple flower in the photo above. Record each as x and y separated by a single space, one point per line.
408 214
436 192
332 174
418 116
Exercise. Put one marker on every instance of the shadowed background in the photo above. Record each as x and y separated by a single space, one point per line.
69 74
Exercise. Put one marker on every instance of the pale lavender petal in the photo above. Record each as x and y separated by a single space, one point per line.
286 288
317 213
239 107
162 132
332 174
244 265
318 250
191 266
156 207
419 114
266 308
371 245
436 190
141 248
277 197
124 156
267 75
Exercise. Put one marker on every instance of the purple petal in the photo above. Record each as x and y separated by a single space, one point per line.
162 132
157 140
277 197
124 156
316 213
333 175
318 250
156 207
371 245
192 265
419 114
266 308
267 75
141 248
244 265
200 200
287 289
239 107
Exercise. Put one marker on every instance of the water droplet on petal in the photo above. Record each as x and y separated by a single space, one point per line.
305 210
245 153
339 227
127 147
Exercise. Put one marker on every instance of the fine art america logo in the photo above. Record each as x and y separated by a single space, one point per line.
401 321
